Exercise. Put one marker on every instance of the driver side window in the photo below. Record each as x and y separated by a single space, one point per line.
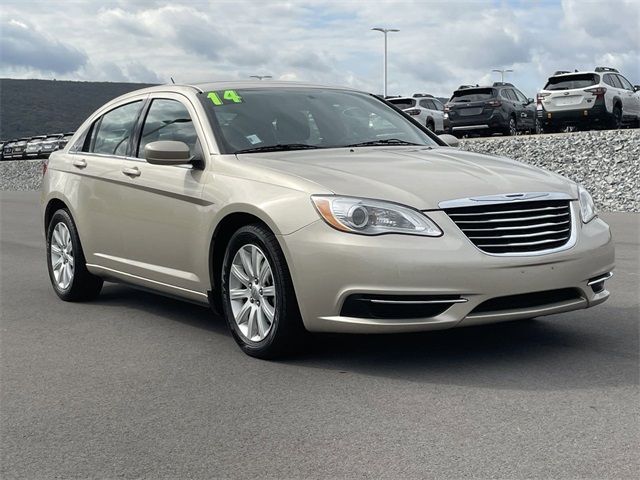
168 120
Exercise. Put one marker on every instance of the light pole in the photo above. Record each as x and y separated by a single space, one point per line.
260 77
384 72
502 72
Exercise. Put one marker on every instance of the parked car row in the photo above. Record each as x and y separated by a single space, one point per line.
39 146
577 100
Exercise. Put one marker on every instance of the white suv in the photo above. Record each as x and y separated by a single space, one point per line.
426 109
586 99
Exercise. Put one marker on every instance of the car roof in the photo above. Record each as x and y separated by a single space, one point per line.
231 85
481 87
581 72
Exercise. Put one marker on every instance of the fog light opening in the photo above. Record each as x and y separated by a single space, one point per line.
597 283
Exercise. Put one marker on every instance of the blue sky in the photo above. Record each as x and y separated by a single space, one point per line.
441 44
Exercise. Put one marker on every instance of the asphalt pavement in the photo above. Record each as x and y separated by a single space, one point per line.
135 385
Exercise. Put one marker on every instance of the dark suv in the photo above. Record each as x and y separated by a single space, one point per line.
499 108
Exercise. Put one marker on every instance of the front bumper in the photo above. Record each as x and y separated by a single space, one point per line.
328 267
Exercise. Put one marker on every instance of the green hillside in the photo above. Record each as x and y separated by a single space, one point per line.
33 107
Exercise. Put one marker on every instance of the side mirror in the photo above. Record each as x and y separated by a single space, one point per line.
529 101
449 140
636 88
167 152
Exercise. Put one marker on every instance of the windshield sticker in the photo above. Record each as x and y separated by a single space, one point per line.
253 139
224 97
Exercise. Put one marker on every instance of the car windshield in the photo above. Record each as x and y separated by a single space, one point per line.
473 95
568 82
403 103
272 119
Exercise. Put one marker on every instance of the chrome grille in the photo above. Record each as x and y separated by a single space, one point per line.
516 227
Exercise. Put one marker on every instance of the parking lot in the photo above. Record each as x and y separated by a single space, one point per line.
136 385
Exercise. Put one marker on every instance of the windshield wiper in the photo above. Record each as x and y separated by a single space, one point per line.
279 148
386 141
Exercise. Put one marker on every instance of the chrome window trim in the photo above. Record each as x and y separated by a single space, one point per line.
503 199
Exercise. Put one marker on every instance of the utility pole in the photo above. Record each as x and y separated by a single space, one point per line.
502 72
385 31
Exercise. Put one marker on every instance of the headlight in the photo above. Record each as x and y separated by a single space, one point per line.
373 217
587 207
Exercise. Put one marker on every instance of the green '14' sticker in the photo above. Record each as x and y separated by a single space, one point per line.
224 97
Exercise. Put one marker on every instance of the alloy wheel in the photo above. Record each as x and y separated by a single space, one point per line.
252 293
62 259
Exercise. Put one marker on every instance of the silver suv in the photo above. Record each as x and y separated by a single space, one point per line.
602 97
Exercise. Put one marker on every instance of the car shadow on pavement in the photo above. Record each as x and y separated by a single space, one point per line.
576 350
573 350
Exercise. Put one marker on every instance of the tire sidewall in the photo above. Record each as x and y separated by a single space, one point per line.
62 216
616 117
246 236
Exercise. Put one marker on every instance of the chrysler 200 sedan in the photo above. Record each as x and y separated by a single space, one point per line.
294 208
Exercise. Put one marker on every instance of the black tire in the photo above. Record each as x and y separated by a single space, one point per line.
537 127
431 126
615 121
286 334
512 127
84 285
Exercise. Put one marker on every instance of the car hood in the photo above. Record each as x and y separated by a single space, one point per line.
419 177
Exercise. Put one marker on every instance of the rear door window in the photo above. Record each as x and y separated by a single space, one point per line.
473 95
568 82
616 81
111 133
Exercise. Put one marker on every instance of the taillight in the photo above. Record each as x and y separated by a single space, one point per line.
494 103
413 111
597 91
540 97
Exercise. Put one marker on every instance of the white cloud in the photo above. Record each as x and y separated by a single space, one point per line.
441 44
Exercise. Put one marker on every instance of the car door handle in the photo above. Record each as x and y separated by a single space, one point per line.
131 172
80 163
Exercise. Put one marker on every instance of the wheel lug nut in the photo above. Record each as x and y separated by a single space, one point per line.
251 300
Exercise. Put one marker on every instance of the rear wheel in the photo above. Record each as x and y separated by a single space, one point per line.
512 127
431 126
66 263
258 298
616 117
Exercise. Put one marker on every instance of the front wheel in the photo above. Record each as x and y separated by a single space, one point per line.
258 298
66 263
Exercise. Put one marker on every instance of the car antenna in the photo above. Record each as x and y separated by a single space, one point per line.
172 81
